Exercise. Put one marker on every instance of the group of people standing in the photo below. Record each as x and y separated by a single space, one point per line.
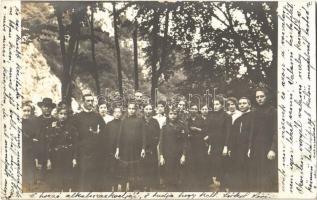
147 148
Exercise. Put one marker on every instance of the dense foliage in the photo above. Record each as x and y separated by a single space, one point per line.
177 47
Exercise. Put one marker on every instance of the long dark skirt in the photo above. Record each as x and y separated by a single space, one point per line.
28 174
150 174
197 165
240 174
173 173
217 163
227 168
62 173
130 171
112 176
263 175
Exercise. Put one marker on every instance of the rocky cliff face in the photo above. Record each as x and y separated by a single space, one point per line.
38 81
42 60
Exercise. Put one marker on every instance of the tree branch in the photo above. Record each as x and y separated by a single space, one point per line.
227 17
237 40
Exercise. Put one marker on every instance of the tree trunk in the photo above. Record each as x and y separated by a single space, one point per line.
71 71
68 55
74 35
72 66
164 45
92 39
154 57
61 32
116 39
135 51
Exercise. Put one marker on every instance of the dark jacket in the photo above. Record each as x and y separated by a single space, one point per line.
42 126
90 127
173 144
63 143
111 136
131 139
218 130
151 129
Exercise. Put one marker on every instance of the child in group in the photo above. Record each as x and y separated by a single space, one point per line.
62 147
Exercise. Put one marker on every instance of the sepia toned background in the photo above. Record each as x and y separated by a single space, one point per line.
178 48
39 26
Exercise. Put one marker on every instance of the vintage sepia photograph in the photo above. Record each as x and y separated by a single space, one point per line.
149 96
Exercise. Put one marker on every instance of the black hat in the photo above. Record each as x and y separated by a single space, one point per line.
47 102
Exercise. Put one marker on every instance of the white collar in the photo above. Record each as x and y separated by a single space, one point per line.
85 110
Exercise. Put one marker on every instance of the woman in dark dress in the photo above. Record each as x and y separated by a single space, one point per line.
112 131
239 146
173 142
263 145
62 151
130 149
28 140
151 129
218 134
197 150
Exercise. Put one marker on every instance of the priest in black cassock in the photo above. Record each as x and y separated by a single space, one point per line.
263 145
130 148
239 146
90 126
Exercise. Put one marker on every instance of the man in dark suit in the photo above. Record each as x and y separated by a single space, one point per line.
90 126
139 102
43 124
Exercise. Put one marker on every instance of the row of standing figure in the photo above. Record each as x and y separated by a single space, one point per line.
186 151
